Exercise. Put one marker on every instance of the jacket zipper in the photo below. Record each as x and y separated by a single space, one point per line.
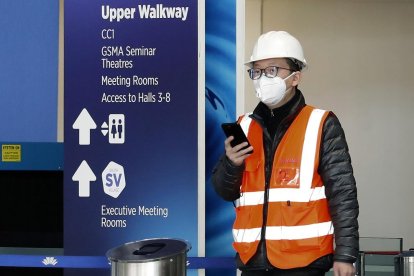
270 155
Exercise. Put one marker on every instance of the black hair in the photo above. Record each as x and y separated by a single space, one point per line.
294 65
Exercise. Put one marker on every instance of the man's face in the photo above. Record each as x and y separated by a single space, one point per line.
283 69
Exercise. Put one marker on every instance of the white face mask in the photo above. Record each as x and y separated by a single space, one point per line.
271 91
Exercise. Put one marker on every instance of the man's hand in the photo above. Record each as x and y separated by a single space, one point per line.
236 154
343 269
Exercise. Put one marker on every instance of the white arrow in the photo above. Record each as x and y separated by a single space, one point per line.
84 123
84 175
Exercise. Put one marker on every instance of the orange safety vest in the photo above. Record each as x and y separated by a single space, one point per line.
298 225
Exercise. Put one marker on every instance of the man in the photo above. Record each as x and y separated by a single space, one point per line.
295 194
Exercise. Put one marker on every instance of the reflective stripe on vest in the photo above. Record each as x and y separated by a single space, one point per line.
285 232
298 221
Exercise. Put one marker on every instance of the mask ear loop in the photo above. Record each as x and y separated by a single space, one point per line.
293 73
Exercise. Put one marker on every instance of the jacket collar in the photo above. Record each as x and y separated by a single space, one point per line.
288 111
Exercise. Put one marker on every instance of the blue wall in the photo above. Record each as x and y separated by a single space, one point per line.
28 70
220 93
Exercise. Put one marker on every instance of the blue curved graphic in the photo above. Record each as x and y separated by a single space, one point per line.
220 106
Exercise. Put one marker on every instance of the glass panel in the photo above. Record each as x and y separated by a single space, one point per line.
377 256
372 244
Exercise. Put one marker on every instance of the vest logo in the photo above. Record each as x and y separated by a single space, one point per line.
290 160
113 179
50 261
288 177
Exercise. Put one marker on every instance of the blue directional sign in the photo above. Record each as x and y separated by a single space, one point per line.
131 124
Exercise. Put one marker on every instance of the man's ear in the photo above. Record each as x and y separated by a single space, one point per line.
296 78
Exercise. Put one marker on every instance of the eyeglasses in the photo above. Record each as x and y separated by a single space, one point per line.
270 72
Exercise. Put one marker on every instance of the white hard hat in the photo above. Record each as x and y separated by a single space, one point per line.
277 44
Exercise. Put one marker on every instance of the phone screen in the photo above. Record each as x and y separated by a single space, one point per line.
235 130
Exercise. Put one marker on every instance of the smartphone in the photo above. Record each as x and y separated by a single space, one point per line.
235 130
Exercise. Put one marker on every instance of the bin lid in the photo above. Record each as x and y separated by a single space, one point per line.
148 250
407 254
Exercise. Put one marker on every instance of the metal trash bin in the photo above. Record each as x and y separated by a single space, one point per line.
404 264
155 257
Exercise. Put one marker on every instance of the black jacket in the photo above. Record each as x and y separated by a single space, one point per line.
334 167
